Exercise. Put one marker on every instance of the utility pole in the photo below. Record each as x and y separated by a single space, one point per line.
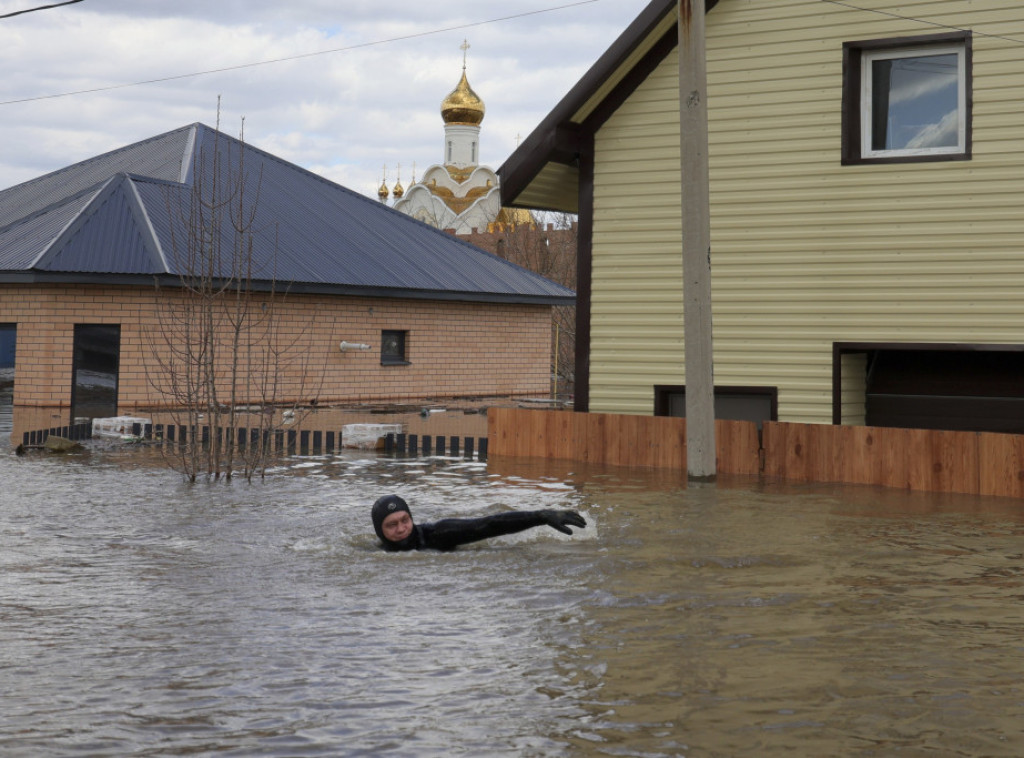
693 127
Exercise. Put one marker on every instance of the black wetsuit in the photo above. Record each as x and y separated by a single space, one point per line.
449 533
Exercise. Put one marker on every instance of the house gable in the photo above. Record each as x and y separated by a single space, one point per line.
109 234
544 172
807 251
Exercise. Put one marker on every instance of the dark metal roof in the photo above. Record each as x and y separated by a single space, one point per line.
124 217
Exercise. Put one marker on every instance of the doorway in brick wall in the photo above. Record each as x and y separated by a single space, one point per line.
8 343
97 356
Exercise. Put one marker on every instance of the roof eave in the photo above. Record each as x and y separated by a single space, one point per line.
283 288
559 136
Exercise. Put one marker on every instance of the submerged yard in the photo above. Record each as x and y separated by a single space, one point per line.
140 615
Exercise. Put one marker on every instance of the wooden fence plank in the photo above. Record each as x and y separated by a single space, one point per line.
941 461
890 463
1001 465
796 455
669 443
772 442
739 450
854 454
594 445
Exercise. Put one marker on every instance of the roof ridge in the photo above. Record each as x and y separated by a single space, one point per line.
96 159
54 205
150 238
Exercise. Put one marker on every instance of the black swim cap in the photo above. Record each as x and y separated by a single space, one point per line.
383 508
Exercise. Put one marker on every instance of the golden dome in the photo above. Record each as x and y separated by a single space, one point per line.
399 190
510 218
383 192
463 105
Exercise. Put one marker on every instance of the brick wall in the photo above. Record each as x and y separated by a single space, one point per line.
454 349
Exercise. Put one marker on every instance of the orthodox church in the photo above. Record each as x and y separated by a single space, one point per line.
458 194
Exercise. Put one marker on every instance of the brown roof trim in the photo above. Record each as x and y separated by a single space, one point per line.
551 140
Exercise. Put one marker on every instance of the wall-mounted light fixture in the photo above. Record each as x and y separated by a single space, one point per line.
347 347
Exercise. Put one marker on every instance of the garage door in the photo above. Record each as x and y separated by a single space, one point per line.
946 389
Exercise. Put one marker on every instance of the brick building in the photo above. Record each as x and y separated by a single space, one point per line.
104 263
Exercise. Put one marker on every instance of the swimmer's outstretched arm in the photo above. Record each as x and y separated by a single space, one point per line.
450 533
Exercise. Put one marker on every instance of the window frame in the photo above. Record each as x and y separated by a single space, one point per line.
856 109
395 360
663 394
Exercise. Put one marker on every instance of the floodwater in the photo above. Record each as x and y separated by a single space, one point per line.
143 616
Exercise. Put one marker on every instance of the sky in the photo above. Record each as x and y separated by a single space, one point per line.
356 89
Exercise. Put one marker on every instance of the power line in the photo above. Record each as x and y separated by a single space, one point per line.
938 24
349 48
40 8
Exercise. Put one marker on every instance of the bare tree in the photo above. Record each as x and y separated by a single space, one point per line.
546 246
217 344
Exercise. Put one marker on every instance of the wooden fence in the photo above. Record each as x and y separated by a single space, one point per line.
614 440
917 459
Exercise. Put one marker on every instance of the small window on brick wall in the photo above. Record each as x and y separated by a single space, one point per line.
907 99
393 347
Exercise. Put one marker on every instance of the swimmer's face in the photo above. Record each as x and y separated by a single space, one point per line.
397 526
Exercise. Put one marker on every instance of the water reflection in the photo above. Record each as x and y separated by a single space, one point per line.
140 615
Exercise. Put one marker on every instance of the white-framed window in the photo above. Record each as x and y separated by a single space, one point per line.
913 102
907 99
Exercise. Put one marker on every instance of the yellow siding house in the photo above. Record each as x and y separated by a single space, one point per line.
867 212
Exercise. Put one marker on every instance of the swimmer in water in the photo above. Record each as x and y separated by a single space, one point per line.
394 526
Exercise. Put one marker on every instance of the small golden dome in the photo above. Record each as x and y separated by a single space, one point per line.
511 218
383 192
399 190
463 105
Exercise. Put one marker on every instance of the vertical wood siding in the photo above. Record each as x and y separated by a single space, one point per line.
806 251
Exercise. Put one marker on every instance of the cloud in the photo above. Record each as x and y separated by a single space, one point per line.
945 133
342 113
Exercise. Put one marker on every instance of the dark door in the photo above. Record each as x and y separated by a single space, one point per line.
94 375
8 342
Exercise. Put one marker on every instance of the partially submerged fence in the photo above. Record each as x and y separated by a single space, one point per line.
283 441
918 459
616 440
427 445
76 432
974 463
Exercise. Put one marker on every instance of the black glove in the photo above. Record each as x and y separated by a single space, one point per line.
562 520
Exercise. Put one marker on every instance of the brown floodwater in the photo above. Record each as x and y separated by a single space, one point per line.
140 615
